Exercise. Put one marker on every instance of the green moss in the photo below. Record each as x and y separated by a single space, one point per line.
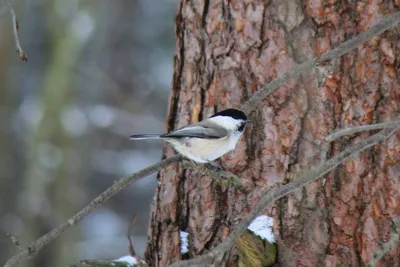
253 251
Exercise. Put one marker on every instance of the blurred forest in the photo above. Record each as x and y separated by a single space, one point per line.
97 72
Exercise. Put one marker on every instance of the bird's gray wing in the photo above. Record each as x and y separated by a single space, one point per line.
202 129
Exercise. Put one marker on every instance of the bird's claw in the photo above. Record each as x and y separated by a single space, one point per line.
213 166
217 173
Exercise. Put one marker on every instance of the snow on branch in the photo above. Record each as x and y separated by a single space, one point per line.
262 226
130 261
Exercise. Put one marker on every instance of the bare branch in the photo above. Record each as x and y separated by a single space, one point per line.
33 249
347 131
132 251
20 52
301 179
102 263
386 23
14 240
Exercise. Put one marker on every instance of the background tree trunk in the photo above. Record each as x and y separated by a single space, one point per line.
225 51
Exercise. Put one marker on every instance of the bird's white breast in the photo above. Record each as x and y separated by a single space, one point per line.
205 150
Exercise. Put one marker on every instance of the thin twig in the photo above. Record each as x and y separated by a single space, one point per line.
348 131
301 179
386 23
14 240
132 251
33 249
20 52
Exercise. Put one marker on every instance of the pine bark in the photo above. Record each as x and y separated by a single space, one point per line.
225 51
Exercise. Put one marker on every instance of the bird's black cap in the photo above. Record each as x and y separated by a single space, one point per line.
231 112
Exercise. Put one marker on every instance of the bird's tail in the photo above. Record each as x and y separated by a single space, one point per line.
144 136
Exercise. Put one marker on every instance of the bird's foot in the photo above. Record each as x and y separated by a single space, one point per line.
221 177
213 166
216 172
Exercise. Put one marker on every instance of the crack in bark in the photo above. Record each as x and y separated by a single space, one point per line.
179 61
217 221
205 12
262 28
181 192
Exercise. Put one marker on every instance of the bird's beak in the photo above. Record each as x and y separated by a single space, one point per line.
249 121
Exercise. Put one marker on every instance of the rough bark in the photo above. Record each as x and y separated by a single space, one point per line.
225 51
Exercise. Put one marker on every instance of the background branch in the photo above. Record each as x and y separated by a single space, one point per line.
301 179
249 106
15 241
33 249
20 52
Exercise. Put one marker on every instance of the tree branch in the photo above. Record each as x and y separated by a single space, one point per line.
15 241
386 23
301 179
33 249
20 52
347 131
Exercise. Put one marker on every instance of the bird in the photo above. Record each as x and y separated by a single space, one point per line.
207 140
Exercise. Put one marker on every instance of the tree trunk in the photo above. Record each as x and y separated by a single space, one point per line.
225 51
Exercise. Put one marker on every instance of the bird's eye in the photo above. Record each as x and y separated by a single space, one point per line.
242 126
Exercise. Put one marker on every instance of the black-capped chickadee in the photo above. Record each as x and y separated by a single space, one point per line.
206 140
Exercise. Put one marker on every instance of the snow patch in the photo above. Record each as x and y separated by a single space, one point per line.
128 259
262 226
184 242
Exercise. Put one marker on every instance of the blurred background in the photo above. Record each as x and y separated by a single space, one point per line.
97 71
